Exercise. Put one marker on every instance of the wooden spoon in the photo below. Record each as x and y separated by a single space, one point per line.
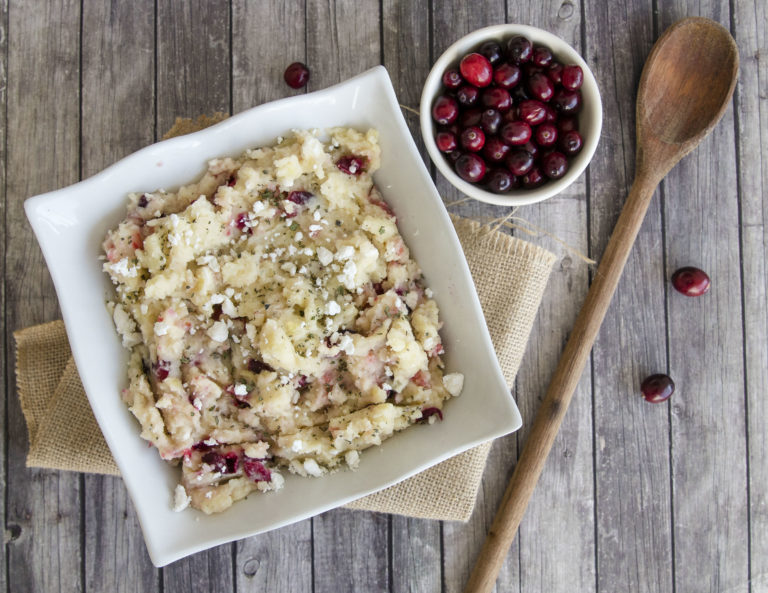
686 84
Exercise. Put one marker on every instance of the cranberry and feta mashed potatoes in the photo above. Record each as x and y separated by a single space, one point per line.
275 318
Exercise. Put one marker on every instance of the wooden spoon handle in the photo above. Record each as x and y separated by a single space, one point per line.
569 369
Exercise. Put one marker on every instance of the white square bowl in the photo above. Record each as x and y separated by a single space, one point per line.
71 223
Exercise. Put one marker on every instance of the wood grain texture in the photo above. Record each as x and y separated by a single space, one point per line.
193 59
750 28
258 61
193 77
676 498
118 74
42 507
706 358
557 540
281 560
5 388
633 498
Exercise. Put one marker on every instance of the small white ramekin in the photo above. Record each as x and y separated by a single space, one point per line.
590 117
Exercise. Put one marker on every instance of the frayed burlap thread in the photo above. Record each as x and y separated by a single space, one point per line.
510 276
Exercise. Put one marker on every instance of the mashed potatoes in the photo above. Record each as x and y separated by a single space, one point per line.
274 317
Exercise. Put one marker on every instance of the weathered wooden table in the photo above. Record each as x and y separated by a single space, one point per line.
635 497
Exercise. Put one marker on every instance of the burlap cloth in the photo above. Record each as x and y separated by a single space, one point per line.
510 276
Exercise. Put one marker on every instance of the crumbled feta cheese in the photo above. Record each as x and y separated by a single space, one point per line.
180 499
161 328
429 293
352 458
332 308
345 253
347 344
218 332
241 389
311 467
454 383
324 255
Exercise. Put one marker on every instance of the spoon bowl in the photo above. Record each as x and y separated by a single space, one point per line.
686 84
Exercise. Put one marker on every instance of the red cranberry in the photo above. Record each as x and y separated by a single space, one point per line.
470 167
516 133
453 156
255 470
545 134
542 56
473 138
256 366
298 197
566 123
519 162
541 87
445 110
571 143
533 112
566 101
573 77
657 388
476 69
512 115
555 72
470 117
427 412
500 181
216 461
691 281
554 165
446 141
142 203
550 114
496 98
495 150
351 165
467 95
519 49
533 178
532 148
243 223
506 76
452 79
296 75
490 121
162 369
492 51
530 69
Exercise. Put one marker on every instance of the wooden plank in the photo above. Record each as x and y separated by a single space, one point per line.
633 497
351 549
556 537
709 473
462 542
280 560
416 549
750 28
193 59
193 77
5 354
258 63
43 507
115 554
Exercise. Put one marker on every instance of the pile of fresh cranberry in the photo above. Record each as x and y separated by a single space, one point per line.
508 116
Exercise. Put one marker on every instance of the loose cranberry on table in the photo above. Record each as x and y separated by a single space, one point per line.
691 281
296 75
657 388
